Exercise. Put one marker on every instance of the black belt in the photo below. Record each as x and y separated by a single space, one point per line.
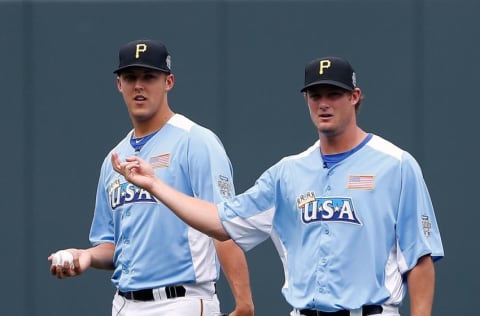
366 311
147 294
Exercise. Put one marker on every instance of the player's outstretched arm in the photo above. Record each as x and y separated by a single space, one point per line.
139 172
421 284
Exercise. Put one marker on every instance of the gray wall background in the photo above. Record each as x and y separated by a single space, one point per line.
239 67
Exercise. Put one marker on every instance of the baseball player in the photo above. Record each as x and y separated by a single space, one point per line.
161 265
351 216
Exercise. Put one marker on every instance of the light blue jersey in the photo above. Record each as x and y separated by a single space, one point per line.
346 235
153 247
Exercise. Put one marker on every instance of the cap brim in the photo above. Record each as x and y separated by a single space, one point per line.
141 66
328 82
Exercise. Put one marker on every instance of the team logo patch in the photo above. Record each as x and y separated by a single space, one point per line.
225 186
361 182
160 161
326 209
426 225
125 193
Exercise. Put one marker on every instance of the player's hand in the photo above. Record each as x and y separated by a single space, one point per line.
242 311
81 262
135 170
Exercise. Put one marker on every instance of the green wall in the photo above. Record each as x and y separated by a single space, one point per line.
239 67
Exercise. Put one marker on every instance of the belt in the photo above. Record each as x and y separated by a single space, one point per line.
366 311
147 294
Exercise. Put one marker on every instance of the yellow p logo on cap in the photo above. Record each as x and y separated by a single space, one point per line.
141 48
324 64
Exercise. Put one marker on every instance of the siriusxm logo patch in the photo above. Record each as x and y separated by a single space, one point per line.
328 209
126 193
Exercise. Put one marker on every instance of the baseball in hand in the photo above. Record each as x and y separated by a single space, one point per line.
62 256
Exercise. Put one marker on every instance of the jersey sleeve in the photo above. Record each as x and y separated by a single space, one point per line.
417 229
248 217
210 170
101 229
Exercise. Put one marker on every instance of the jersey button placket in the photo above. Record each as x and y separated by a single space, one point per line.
322 270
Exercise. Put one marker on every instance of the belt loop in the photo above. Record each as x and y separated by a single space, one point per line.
157 294
356 312
168 291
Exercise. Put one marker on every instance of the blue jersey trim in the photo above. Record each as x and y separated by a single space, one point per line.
331 160
138 143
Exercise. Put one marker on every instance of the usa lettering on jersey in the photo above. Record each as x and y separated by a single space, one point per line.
126 193
327 209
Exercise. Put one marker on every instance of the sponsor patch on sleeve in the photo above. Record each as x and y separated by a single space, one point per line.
225 186
426 225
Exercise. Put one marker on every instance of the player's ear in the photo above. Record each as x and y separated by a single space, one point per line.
119 84
169 82
356 95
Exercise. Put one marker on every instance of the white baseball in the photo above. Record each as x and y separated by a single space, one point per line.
62 256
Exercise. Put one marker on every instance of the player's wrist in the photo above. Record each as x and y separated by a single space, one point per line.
244 308
153 184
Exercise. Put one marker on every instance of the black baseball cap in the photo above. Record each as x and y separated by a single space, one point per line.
330 70
144 53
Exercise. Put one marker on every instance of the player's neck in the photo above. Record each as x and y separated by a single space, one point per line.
340 143
143 128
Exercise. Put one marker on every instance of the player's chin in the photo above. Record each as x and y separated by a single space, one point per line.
141 115
326 129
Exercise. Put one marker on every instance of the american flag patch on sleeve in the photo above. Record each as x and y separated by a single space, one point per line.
160 161
359 181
